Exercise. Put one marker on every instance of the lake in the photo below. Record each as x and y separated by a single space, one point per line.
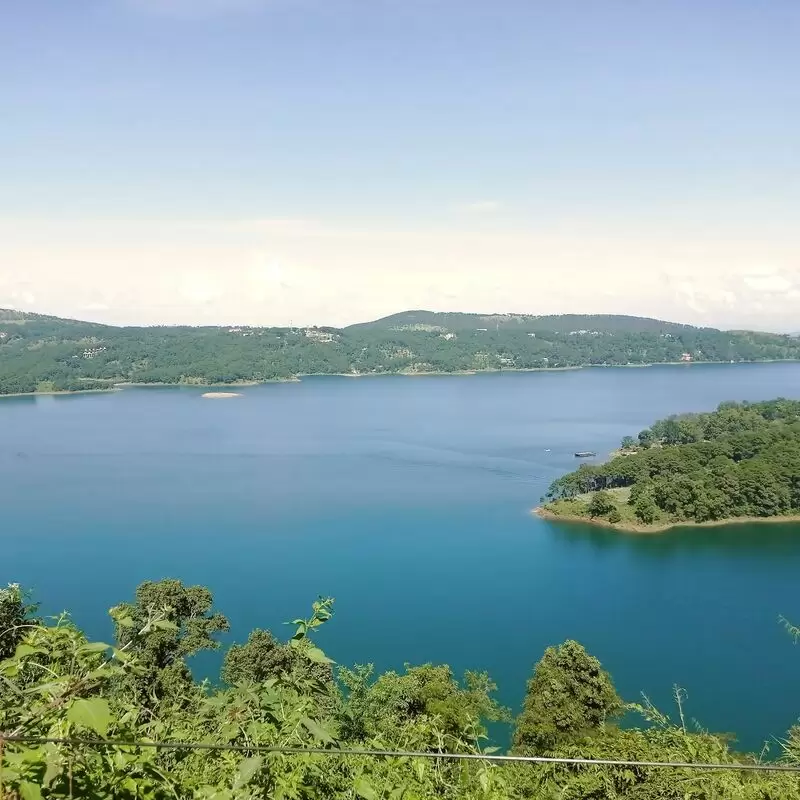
408 500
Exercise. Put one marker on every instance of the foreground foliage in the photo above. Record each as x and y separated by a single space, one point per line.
41 353
742 460
56 684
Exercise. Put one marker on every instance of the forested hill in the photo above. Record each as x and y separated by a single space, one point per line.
42 353
556 323
740 461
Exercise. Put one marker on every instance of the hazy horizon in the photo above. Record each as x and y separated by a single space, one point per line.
272 161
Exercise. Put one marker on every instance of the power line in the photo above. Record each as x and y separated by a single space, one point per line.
499 759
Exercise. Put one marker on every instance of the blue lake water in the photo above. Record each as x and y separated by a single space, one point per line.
408 499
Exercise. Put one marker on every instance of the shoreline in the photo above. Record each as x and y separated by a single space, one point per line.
62 392
119 385
639 530
135 385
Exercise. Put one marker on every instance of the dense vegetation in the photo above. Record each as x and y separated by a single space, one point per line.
55 684
742 460
40 353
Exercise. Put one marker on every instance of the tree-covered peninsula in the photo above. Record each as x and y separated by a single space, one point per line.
741 461
82 719
46 354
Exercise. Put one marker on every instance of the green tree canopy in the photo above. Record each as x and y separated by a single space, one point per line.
59 685
568 697
264 657
601 504
167 623
742 460
41 353
428 691
16 614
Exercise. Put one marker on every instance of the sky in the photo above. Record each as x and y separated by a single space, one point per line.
269 162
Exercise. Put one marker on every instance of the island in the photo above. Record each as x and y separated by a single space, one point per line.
45 354
738 463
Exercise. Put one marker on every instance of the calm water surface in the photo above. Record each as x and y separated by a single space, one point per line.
408 499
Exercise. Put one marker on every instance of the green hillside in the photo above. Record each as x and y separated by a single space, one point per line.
563 323
42 353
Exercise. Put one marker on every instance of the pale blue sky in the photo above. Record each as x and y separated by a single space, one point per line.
641 143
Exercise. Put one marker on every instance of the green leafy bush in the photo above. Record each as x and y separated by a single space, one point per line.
56 684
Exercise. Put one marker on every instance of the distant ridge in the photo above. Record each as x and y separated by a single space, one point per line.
454 321
40 353
450 320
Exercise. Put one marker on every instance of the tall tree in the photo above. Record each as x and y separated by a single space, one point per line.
568 697
421 694
601 504
15 616
264 657
167 623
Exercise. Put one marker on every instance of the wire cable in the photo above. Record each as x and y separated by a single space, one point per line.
375 753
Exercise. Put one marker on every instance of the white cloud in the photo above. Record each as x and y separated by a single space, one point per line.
277 271
16 298
200 288
745 292
767 283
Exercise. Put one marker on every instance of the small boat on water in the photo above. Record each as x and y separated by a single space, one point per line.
585 454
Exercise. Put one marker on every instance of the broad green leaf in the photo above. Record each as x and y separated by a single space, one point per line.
53 769
105 670
31 755
25 650
93 713
248 767
120 655
364 789
124 622
30 791
95 647
229 731
316 730
315 654
165 625
14 761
